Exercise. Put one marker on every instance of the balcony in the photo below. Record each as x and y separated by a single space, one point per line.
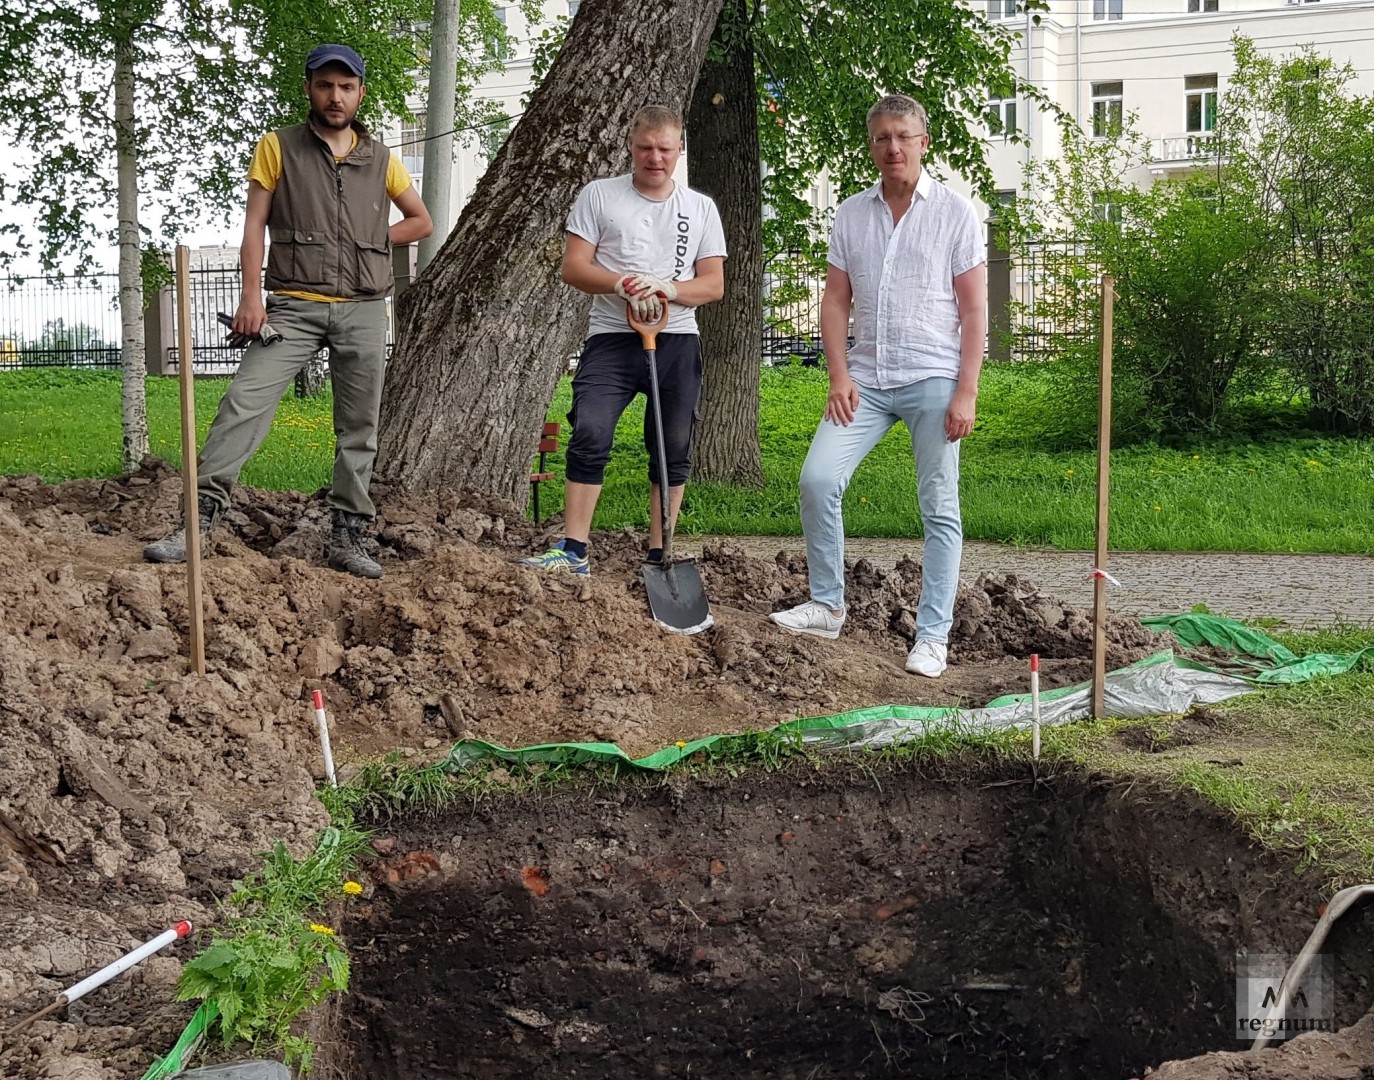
1180 153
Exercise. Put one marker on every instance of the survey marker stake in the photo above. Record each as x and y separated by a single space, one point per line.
93 982
322 721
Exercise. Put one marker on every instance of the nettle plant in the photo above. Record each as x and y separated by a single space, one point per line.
270 960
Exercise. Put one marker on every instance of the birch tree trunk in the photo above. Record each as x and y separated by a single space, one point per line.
436 181
486 329
133 405
723 162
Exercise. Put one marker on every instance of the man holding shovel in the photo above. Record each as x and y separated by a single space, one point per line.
323 190
907 256
646 241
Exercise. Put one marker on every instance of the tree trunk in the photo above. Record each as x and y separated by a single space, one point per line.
134 408
723 161
487 328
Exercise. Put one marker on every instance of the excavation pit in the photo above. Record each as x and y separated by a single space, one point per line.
812 925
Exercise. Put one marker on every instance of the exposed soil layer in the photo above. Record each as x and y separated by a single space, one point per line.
133 794
808 926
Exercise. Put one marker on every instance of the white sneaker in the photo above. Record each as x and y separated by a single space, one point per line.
810 618
927 658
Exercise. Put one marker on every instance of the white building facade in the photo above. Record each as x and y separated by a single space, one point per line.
1165 61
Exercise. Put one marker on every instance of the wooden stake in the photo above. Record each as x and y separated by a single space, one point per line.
1104 451
191 509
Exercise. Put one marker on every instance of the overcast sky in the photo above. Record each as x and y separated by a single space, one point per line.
206 233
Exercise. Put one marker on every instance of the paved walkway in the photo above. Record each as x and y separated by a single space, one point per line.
1302 590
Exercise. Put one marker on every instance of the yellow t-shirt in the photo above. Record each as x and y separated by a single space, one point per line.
266 170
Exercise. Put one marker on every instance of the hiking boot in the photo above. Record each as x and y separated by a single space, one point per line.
558 560
346 551
810 618
172 549
927 658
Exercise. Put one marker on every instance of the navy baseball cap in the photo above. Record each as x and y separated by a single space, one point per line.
334 54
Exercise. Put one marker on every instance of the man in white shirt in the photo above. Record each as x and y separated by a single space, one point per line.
908 256
645 240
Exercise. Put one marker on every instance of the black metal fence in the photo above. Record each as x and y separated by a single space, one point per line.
213 289
74 322
69 322
792 286
1053 290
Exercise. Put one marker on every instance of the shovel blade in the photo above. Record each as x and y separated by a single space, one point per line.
677 598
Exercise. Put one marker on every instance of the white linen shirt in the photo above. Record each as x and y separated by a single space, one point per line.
906 316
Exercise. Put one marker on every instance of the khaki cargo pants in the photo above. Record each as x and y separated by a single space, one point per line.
356 335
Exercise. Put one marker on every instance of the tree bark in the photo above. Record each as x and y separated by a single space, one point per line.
723 161
487 328
133 405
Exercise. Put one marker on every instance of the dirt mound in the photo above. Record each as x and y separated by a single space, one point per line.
134 793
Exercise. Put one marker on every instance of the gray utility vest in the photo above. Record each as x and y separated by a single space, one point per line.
328 221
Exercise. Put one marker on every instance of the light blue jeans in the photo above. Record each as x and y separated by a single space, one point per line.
834 455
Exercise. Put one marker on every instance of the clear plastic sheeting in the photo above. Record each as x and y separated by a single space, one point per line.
1153 687
1221 659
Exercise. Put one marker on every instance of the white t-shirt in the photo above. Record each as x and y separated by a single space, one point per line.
634 234
906 317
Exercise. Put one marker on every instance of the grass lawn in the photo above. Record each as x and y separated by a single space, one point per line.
1294 764
1272 487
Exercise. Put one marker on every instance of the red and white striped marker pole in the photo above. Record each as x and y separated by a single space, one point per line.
1035 706
322 719
77 991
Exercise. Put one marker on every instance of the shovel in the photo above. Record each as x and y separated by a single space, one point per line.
677 598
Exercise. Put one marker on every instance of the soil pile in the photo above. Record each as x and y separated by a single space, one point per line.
133 793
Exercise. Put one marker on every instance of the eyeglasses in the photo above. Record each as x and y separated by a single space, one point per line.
885 141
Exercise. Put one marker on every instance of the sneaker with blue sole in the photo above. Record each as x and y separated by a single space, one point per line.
556 559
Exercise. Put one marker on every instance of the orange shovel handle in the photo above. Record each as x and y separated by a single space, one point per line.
648 332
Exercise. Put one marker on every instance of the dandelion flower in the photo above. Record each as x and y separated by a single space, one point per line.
318 928
352 888
1159 508
680 744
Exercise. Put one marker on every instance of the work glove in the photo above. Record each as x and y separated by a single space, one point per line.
654 285
235 340
643 305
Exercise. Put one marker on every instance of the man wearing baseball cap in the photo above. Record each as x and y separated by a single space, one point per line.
323 192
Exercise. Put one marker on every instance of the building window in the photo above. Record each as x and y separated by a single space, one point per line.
1202 5
1001 9
1200 96
573 5
1106 9
412 144
1106 109
1003 200
1106 208
501 48
1001 115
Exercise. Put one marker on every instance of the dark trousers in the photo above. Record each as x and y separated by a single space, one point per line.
612 370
